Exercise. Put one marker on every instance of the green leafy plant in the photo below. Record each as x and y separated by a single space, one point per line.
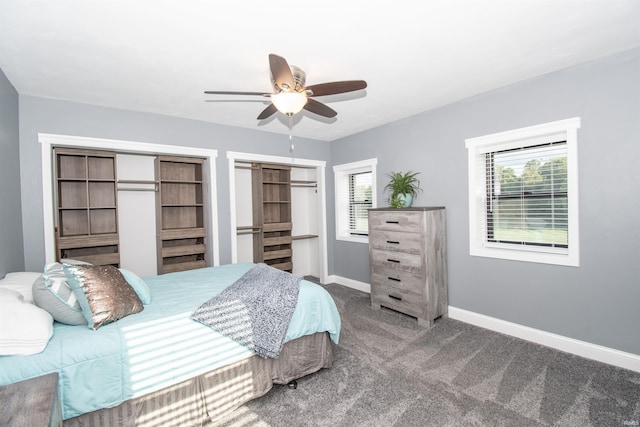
396 202
402 183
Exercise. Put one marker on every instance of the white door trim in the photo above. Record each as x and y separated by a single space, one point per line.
47 141
320 166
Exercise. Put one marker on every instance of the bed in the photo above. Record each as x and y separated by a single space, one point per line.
160 367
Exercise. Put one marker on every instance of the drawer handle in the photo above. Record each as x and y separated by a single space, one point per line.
394 279
395 297
393 260
393 242
393 222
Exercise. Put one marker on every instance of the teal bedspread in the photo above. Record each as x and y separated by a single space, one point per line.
157 347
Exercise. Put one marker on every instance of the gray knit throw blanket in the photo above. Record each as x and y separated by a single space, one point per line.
255 310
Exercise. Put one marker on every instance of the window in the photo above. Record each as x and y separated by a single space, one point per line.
523 194
355 195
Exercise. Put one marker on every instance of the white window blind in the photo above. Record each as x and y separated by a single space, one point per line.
527 201
523 194
360 201
355 191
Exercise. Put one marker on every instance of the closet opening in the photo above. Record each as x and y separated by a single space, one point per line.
279 213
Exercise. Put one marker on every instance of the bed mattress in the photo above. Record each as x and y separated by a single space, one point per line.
158 347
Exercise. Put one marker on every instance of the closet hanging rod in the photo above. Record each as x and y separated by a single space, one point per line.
130 185
248 229
242 233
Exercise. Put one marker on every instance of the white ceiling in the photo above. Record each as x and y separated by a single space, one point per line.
159 56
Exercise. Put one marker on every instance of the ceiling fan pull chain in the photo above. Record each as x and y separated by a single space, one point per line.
291 133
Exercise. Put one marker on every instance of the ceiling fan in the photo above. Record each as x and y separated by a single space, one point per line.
290 95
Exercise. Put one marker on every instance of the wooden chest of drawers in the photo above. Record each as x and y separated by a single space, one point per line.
33 403
407 255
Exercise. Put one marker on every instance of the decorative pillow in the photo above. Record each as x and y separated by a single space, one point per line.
138 285
52 292
103 293
24 328
21 282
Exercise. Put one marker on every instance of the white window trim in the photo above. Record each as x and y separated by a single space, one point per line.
341 182
477 147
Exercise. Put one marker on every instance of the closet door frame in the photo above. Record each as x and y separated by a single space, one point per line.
319 165
48 141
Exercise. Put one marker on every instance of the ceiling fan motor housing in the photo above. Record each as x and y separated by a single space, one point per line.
299 78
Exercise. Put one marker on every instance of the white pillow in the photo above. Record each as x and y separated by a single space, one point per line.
21 282
24 328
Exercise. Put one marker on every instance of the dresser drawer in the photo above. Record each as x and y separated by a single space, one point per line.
395 221
398 279
398 261
403 301
397 241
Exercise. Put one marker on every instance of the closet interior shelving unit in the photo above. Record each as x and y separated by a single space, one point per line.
86 206
272 244
282 200
180 214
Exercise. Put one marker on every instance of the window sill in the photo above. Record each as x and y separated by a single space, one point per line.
354 239
528 254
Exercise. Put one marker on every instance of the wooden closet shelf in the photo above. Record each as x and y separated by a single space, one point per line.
86 180
101 259
283 253
83 208
88 241
182 233
182 266
285 266
274 241
276 226
172 251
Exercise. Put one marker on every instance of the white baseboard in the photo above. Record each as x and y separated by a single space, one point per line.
349 283
559 342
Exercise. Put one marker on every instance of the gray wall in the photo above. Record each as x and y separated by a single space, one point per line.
596 302
38 115
11 249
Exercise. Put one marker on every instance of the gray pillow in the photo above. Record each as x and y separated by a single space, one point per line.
52 293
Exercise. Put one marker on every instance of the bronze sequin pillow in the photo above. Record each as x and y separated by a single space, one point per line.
103 293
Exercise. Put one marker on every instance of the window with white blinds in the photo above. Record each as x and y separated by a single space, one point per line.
355 194
360 199
523 194
527 188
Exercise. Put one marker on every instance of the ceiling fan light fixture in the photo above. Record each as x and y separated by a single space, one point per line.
289 103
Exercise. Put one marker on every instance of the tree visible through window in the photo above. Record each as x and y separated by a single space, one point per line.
360 201
528 201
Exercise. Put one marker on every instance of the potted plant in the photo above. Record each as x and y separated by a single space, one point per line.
404 187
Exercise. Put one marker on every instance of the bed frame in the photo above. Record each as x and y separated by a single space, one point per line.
211 396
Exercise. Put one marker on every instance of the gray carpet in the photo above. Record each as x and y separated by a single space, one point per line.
391 372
